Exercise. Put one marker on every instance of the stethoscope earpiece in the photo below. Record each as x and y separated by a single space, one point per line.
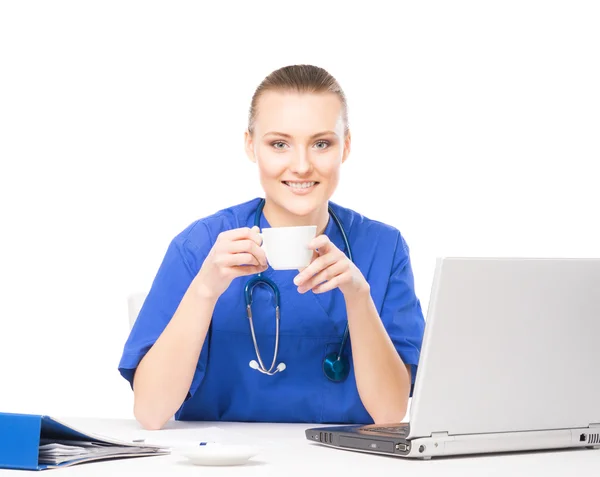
254 365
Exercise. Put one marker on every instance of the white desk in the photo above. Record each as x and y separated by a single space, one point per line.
289 454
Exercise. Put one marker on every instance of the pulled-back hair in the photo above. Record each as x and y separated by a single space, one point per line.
300 79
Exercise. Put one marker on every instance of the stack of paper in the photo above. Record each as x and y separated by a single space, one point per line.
55 452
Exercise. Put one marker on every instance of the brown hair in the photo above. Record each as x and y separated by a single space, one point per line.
301 79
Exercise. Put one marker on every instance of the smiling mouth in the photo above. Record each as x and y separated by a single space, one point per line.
300 185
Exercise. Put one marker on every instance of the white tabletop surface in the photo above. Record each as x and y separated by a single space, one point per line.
286 452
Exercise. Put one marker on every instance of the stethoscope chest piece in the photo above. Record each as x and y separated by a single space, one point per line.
336 367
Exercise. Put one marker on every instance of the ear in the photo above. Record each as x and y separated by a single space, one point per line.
249 146
347 142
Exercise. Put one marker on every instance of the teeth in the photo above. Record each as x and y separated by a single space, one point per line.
300 185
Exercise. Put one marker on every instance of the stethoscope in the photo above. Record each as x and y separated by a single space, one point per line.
335 365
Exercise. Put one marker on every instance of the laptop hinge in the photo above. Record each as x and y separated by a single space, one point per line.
437 435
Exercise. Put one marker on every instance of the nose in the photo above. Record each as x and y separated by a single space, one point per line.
300 163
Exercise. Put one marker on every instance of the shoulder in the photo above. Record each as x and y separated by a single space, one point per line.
204 231
361 229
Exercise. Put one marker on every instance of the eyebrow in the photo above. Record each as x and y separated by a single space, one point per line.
274 133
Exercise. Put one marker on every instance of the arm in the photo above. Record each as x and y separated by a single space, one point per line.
165 373
383 380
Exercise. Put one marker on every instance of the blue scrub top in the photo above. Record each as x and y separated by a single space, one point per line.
224 387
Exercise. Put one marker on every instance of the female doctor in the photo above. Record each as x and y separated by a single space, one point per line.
336 342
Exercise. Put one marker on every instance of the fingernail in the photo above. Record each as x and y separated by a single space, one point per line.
296 279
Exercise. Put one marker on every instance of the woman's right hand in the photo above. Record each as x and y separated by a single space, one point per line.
235 253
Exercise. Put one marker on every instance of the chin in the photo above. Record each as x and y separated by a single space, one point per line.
301 207
301 210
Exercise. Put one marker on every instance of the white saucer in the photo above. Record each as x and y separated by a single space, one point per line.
218 454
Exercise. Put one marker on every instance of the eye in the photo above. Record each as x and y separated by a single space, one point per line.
278 144
324 143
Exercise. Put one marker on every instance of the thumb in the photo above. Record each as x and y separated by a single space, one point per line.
315 255
256 230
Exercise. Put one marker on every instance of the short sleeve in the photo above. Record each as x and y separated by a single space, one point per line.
401 313
179 266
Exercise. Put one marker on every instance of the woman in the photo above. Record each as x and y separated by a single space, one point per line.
189 349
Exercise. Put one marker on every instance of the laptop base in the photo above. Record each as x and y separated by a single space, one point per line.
354 438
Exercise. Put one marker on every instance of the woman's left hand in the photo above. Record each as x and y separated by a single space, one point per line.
330 268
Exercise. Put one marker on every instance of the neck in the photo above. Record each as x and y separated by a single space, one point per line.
279 217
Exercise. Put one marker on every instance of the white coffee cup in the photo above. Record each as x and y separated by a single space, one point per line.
286 248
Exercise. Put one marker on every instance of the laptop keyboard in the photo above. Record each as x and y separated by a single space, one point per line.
400 430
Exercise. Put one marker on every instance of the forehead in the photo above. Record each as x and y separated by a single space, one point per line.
299 113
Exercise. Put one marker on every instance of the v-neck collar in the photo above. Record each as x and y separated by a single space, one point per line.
322 301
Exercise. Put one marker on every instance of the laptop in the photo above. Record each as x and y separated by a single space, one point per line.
510 362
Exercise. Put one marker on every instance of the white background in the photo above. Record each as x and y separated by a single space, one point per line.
476 132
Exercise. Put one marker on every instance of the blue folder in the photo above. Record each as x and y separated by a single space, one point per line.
22 434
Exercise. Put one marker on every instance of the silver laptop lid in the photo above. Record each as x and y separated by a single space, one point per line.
510 345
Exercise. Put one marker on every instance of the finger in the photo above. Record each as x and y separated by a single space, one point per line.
316 266
315 255
319 242
322 243
330 285
237 259
240 234
247 246
248 270
325 275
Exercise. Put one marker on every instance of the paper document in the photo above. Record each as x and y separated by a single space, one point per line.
61 452
63 445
